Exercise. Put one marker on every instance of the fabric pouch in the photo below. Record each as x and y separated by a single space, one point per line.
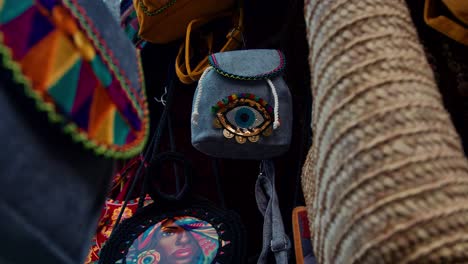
242 107
166 20
113 206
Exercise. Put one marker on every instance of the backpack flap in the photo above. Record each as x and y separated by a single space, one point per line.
242 107
249 64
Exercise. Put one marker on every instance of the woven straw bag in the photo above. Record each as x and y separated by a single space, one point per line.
386 180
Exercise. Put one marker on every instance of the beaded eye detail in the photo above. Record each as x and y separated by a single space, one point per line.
243 117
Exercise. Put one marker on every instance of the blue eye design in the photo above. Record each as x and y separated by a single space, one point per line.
243 117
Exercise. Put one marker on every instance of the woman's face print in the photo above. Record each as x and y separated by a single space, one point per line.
177 245
177 240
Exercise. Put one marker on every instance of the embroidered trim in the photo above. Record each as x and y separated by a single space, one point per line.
146 115
70 128
87 25
282 65
113 64
129 22
158 11
77 134
231 98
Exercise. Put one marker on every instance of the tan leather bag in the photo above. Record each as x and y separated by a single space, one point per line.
457 30
162 21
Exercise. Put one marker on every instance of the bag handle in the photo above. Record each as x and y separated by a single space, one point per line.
234 39
275 239
156 171
151 149
127 175
444 24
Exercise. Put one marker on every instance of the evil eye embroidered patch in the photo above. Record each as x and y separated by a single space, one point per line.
243 117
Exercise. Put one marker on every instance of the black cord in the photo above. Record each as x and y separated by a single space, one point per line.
157 163
132 186
152 148
219 187
162 125
173 149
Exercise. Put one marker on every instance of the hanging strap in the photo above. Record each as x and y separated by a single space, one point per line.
130 169
152 147
274 237
156 172
184 70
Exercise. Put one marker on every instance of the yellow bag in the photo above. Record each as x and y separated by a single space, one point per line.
457 30
234 40
162 21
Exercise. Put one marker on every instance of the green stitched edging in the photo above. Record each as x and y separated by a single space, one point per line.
69 128
108 60
156 12
146 116
142 111
245 78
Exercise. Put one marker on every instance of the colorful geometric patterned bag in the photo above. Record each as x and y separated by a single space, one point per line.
162 21
242 108
129 22
82 71
113 206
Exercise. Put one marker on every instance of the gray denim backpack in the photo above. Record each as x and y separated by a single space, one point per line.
242 107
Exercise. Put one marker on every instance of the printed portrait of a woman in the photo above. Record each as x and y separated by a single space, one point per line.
178 240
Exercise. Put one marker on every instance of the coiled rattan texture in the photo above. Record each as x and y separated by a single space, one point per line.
386 180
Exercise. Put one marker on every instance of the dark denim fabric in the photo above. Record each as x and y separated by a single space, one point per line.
52 189
115 39
275 239
114 7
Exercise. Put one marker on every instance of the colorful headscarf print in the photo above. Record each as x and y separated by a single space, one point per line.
176 240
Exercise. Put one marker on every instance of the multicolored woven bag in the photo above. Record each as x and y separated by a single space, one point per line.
113 206
90 82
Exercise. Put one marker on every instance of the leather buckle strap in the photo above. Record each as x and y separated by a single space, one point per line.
278 245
